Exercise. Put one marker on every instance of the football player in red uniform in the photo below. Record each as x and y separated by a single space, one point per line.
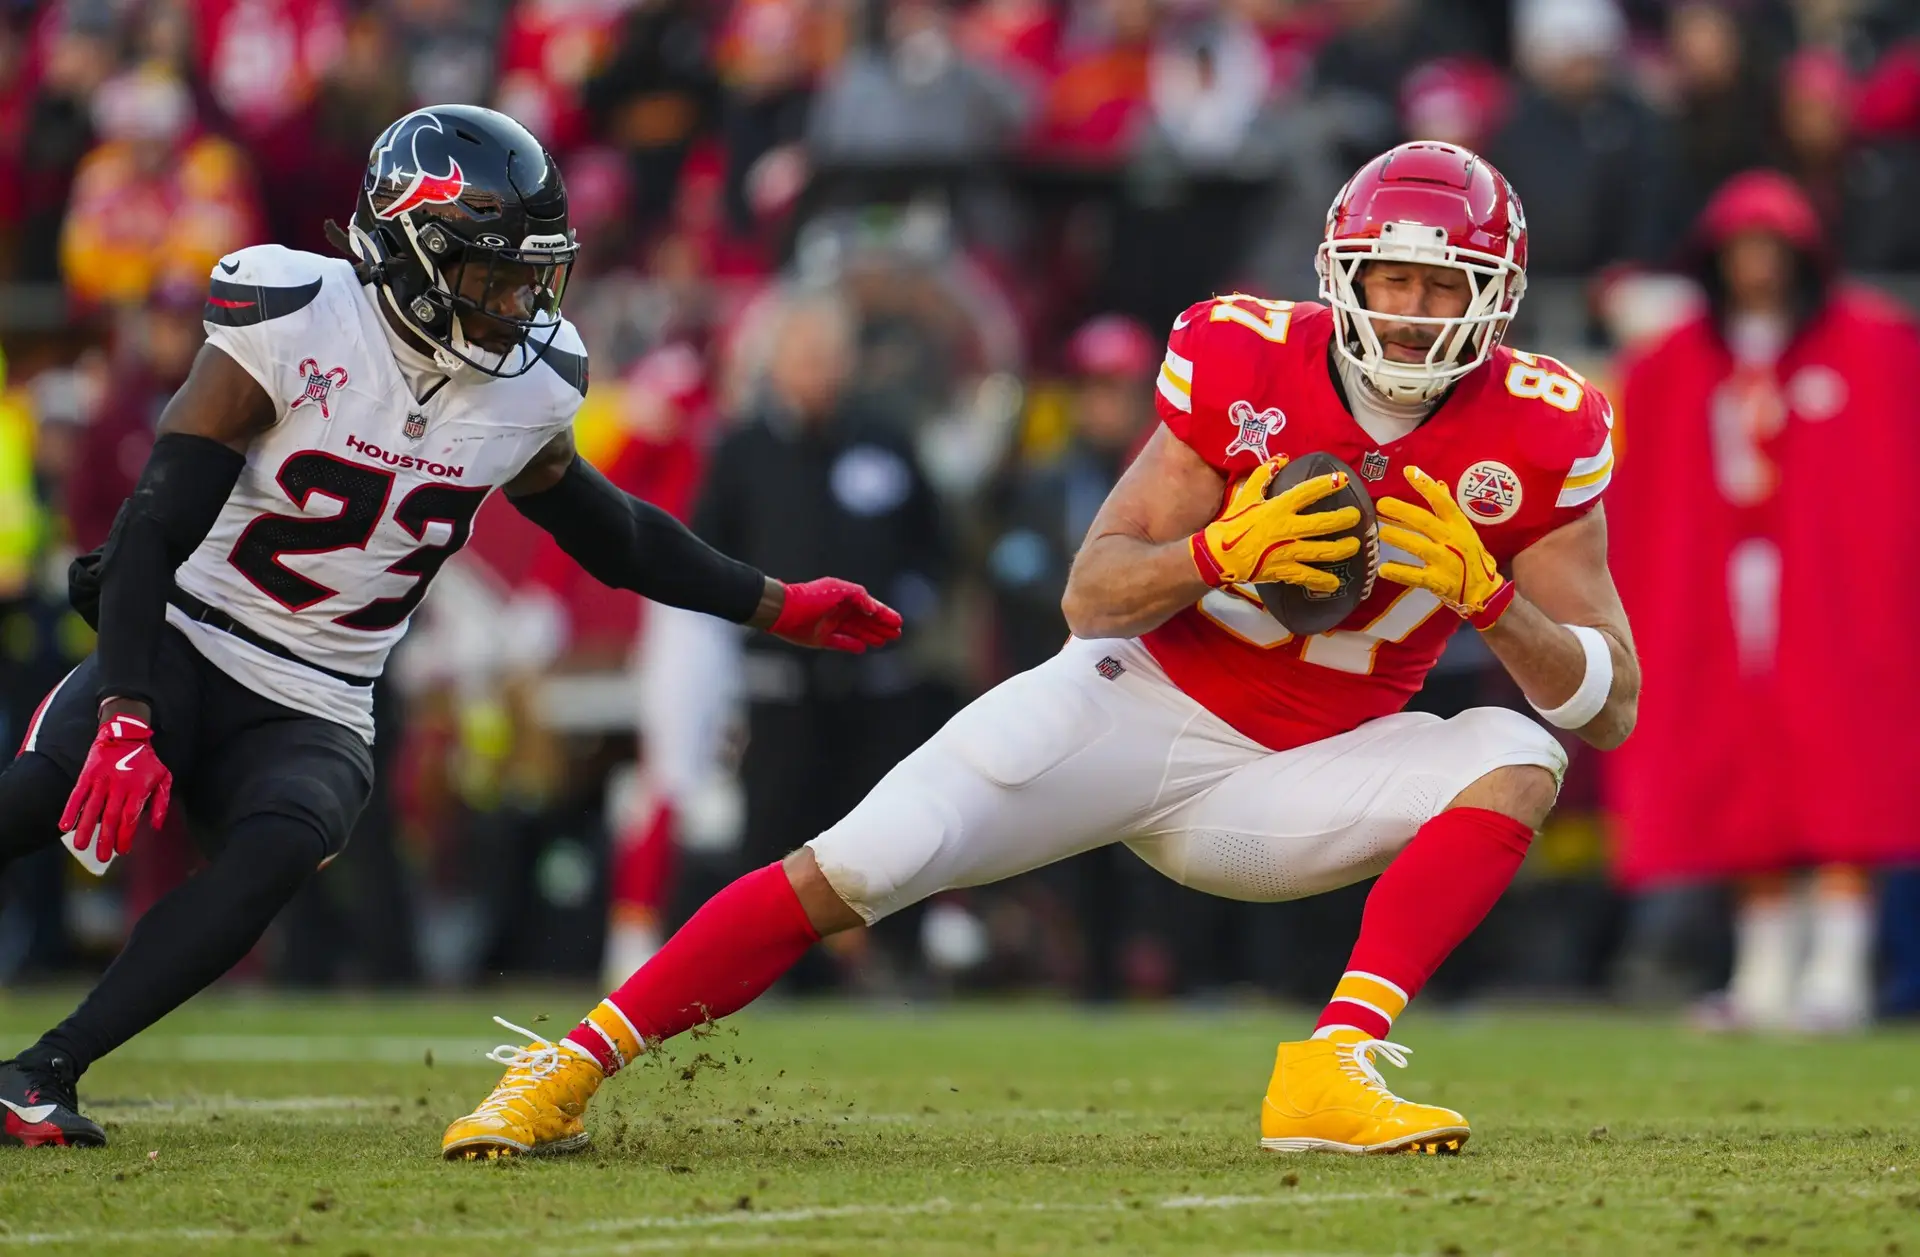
1183 720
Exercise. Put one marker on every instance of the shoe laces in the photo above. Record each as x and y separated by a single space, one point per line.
1357 1059
527 1068
48 1083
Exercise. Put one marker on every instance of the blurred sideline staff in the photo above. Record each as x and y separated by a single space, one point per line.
816 479
1044 502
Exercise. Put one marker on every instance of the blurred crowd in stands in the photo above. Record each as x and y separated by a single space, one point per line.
870 286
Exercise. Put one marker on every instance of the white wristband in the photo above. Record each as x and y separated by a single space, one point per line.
1591 696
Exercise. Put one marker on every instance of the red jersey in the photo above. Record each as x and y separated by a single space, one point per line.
1524 442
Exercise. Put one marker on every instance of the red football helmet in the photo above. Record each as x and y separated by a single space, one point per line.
1442 205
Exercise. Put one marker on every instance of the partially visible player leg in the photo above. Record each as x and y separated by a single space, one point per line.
33 793
38 1102
1436 892
282 793
35 785
1076 753
1444 811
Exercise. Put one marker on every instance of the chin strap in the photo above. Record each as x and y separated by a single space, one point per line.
364 271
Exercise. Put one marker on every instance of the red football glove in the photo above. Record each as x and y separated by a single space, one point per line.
121 774
836 615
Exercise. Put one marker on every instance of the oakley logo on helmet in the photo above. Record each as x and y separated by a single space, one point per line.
415 167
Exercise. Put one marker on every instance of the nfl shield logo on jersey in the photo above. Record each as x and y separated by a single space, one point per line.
1489 492
416 425
1373 466
1257 427
320 385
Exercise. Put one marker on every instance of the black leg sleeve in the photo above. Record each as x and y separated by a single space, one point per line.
192 936
33 793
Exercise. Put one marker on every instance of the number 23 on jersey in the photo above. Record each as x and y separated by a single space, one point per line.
362 493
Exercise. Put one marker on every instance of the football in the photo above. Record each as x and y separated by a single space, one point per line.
1302 611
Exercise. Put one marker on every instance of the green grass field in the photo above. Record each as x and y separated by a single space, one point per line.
245 1125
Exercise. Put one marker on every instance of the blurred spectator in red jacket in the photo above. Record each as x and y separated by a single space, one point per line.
1889 101
156 346
311 161
264 60
548 50
158 192
1098 101
1019 38
1774 725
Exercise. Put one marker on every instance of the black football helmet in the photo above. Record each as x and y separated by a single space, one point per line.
463 215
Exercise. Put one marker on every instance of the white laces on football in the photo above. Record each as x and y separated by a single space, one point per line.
527 1066
1360 1055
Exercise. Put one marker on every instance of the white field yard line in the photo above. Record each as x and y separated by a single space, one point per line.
307 1049
740 1218
134 1109
321 1107
193 1110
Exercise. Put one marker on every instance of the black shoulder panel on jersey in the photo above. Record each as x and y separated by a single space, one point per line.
243 305
571 367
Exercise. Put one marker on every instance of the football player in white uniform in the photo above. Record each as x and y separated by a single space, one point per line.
339 431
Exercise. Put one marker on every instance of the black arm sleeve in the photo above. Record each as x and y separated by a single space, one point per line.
626 543
186 481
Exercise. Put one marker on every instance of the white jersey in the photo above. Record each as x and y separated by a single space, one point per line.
350 503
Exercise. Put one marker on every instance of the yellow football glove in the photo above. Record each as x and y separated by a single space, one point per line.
1454 564
1259 539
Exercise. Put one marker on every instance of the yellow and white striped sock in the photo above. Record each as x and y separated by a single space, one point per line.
608 1037
1365 1002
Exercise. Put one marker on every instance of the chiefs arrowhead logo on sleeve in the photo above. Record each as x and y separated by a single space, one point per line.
415 167
1489 492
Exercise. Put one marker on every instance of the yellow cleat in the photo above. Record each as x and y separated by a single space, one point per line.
536 1108
1327 1096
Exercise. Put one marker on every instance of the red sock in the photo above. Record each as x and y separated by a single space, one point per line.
1426 903
733 949
644 864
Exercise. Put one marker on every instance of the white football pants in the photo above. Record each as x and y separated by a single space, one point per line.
1062 759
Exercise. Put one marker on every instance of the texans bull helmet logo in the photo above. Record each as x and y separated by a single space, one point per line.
416 167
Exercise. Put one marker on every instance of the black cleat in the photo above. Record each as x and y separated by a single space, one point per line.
38 1106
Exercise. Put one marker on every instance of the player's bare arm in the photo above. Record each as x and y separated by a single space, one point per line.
1560 580
1134 570
626 543
1156 546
